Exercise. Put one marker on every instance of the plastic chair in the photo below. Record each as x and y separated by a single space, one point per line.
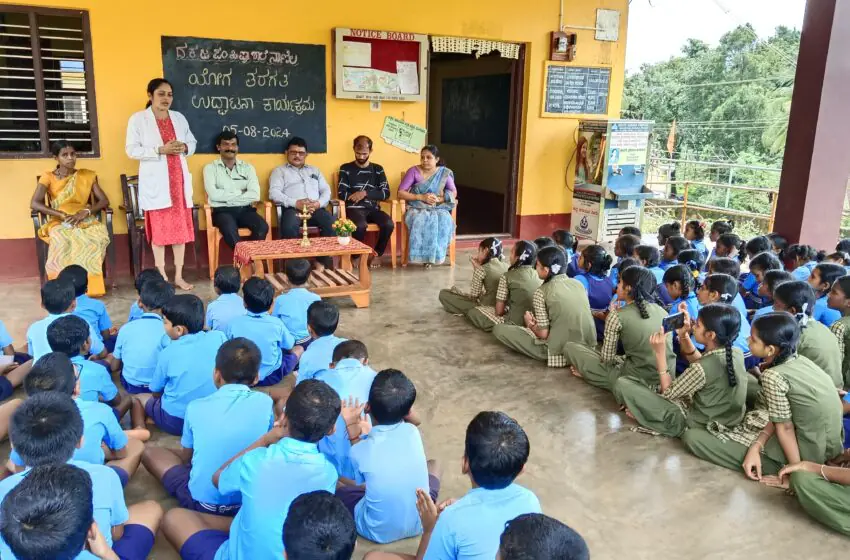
393 204
405 233
214 236
136 225
41 248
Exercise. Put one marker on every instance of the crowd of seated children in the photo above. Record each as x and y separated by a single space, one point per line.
802 259
228 305
772 278
760 264
93 311
57 298
488 267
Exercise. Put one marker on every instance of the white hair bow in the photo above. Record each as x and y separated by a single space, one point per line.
524 255
803 317
555 268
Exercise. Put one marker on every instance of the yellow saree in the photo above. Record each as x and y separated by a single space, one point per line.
84 244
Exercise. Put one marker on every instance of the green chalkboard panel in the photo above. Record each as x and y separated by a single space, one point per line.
576 90
265 92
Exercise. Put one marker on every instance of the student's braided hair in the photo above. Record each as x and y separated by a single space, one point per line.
683 275
725 285
725 322
494 248
798 298
598 259
526 253
554 259
643 286
779 329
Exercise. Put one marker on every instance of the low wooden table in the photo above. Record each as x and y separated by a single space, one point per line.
327 283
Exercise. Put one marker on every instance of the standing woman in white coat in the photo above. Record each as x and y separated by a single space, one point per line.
161 140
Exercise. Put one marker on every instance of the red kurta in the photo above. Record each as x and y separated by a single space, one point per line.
172 225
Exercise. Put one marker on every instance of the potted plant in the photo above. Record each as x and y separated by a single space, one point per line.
344 229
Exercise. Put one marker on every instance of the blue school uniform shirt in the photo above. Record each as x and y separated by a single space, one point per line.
5 337
823 313
317 356
470 528
664 265
391 462
350 379
224 309
138 346
744 332
135 312
699 245
218 427
802 273
95 381
107 499
268 333
269 479
292 307
763 311
693 310
37 345
663 295
94 313
99 427
599 290
184 371
572 263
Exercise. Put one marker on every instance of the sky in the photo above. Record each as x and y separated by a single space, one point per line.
659 28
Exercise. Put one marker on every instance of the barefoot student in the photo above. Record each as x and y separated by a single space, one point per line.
161 140
711 392
488 268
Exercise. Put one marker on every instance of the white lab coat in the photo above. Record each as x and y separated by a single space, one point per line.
143 139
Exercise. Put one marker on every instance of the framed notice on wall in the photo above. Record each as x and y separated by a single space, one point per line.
379 65
575 90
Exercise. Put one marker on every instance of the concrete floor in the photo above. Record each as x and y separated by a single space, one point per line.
630 495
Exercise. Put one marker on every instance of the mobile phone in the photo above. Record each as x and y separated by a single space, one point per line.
673 322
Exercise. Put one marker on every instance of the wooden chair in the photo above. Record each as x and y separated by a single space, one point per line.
405 234
214 236
41 248
393 204
136 225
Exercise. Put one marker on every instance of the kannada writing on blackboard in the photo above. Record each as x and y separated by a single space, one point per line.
576 90
188 51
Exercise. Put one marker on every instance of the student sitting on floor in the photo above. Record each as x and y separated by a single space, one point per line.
569 244
730 246
839 258
288 453
50 515
540 537
798 406
823 277
674 245
817 343
495 453
104 442
560 312
624 248
719 228
140 342
514 292
70 335
142 277
723 288
291 306
711 393
630 326
695 233
57 298
184 370
322 321
649 258
319 527
802 260
545 241
93 311
778 244
269 333
488 268
760 264
228 305
216 428
772 279
46 430
8 348
14 373
665 232
351 377
731 267
681 284
594 263
839 299
388 457
692 259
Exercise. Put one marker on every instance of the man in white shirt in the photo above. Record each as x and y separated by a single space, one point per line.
296 185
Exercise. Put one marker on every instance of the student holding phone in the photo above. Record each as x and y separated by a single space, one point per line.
710 394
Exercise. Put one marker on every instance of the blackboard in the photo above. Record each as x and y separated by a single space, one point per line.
476 111
265 92
576 90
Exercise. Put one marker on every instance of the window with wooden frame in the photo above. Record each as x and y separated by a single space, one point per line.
46 82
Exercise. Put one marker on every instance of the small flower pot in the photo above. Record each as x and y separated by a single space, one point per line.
344 239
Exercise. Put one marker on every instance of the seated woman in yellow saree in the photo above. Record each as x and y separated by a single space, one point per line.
73 232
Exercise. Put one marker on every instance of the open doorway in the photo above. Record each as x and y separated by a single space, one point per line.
474 117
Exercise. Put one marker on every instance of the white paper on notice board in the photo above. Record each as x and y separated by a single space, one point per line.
356 54
408 77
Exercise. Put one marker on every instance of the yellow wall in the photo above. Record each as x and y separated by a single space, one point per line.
126 46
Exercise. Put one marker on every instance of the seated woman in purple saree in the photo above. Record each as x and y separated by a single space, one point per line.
430 192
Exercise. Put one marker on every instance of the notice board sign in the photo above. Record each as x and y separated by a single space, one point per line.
575 90
380 65
264 92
